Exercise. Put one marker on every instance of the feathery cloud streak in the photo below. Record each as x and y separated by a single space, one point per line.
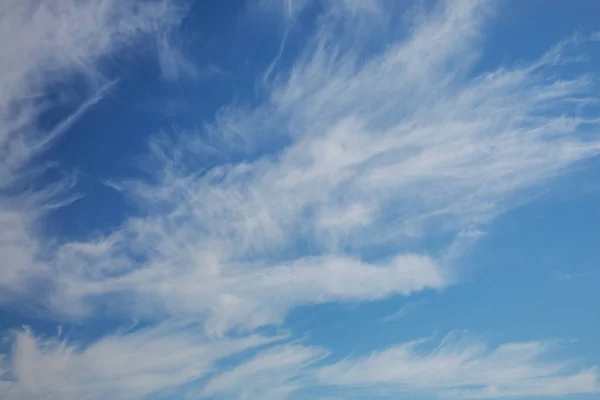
390 151
128 365
59 42
460 367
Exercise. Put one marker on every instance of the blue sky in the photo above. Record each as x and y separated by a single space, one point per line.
299 199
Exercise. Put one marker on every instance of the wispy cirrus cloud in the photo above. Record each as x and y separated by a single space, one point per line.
405 310
460 367
122 365
132 365
176 64
325 191
272 374
380 153
59 41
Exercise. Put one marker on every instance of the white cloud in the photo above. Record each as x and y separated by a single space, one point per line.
405 310
122 366
246 295
460 367
162 359
57 41
289 9
176 64
272 374
45 45
384 149
390 150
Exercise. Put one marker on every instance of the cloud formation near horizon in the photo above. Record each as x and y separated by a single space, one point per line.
362 173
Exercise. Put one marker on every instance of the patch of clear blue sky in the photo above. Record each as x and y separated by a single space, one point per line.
534 275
